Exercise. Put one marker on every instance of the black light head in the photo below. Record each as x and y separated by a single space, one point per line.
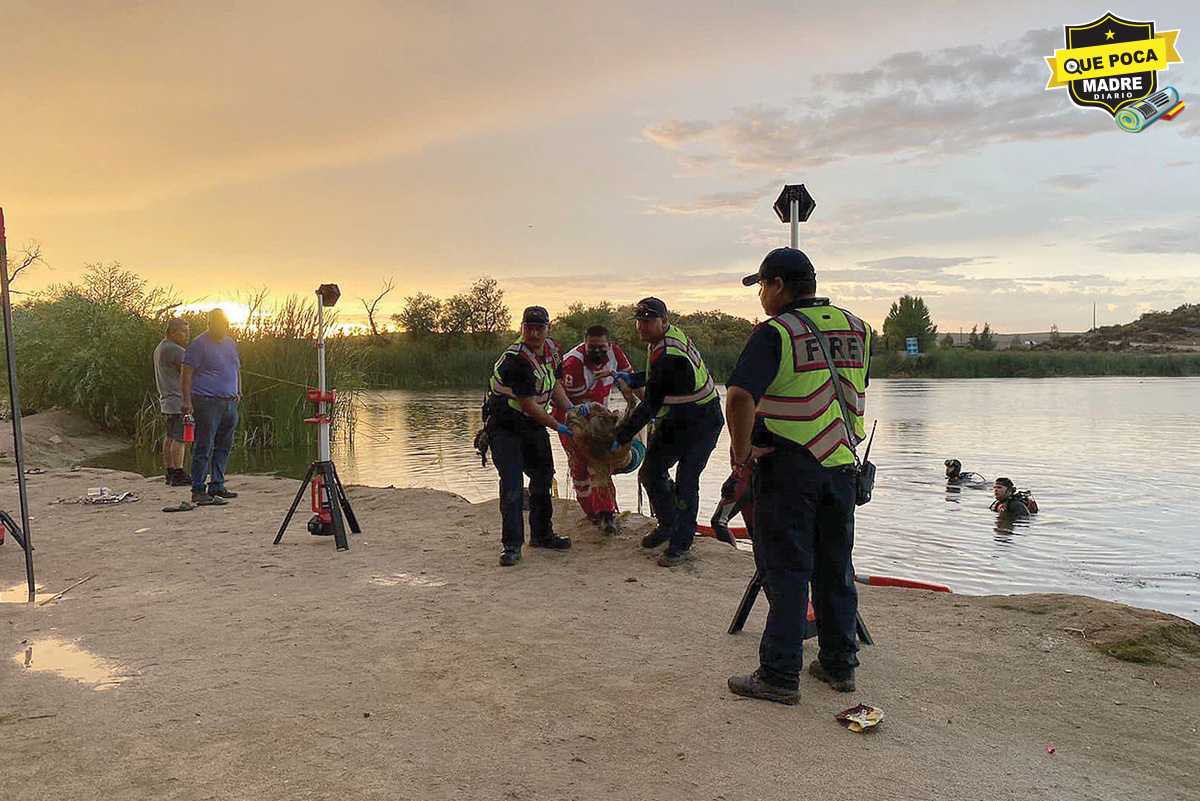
329 294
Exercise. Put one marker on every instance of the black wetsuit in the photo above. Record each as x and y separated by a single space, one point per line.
1013 506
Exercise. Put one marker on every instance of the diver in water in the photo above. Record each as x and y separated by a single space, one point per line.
955 475
1011 502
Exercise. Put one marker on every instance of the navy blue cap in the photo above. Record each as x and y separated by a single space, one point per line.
649 308
535 315
789 264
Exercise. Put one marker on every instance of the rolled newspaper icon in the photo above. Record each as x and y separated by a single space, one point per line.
1139 115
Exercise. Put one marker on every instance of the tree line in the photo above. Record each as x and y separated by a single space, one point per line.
479 316
910 317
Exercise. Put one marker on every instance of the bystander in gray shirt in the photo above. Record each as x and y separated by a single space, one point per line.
168 364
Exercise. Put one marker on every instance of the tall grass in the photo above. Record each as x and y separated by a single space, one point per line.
94 355
959 363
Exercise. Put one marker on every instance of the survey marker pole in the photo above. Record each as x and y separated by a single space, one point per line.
14 400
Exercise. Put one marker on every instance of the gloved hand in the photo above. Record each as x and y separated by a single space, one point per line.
737 485
582 410
626 377
565 430
616 446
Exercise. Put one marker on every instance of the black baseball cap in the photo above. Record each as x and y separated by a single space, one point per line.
535 315
649 308
789 264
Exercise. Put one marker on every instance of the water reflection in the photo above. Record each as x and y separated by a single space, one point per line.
67 660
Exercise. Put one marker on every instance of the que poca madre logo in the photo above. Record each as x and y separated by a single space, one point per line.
1113 64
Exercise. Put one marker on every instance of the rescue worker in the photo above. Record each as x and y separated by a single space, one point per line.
588 374
681 396
522 387
784 417
1009 501
955 474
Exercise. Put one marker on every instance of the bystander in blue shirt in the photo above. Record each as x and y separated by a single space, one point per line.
216 365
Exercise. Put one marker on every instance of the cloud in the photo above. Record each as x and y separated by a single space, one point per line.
674 133
1073 181
1156 240
736 201
898 208
915 104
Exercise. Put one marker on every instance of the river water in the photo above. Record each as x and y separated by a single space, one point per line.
1111 462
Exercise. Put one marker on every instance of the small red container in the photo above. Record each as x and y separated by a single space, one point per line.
189 428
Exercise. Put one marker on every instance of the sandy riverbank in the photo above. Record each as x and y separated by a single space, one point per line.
414 667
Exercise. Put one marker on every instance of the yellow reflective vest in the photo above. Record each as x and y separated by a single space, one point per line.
543 375
800 404
676 343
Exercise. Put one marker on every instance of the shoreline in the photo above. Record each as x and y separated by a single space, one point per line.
414 664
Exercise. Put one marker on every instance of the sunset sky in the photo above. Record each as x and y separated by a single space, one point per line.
597 151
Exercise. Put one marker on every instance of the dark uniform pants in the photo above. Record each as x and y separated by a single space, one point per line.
804 531
523 450
687 442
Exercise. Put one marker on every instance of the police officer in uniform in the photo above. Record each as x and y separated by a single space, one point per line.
784 413
523 384
681 397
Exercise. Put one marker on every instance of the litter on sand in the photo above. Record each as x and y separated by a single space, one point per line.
860 718
183 506
101 496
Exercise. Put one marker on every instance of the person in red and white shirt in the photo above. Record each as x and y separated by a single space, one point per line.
588 375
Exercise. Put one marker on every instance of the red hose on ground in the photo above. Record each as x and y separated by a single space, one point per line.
889 581
737 531
874 581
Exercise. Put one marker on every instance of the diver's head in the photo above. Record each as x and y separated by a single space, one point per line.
953 468
1004 489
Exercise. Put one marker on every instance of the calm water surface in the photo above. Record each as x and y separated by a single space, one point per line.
1111 461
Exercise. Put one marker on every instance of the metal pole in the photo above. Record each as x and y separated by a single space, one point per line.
322 407
14 399
795 216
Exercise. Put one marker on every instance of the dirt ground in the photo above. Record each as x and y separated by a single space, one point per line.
58 438
413 667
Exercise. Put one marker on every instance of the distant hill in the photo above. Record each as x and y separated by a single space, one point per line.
1006 341
1153 332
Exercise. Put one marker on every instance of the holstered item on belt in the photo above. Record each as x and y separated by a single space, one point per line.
483 437
483 440
864 483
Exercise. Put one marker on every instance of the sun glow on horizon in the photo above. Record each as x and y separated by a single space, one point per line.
237 312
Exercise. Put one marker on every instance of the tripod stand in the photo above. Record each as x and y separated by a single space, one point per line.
19 534
331 508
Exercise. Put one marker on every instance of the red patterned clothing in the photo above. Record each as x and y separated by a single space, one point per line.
596 496
579 377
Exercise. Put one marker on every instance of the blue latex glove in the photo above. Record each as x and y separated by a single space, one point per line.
616 446
565 430
582 410
626 377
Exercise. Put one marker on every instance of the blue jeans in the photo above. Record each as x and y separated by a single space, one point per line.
687 442
519 450
216 419
804 532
